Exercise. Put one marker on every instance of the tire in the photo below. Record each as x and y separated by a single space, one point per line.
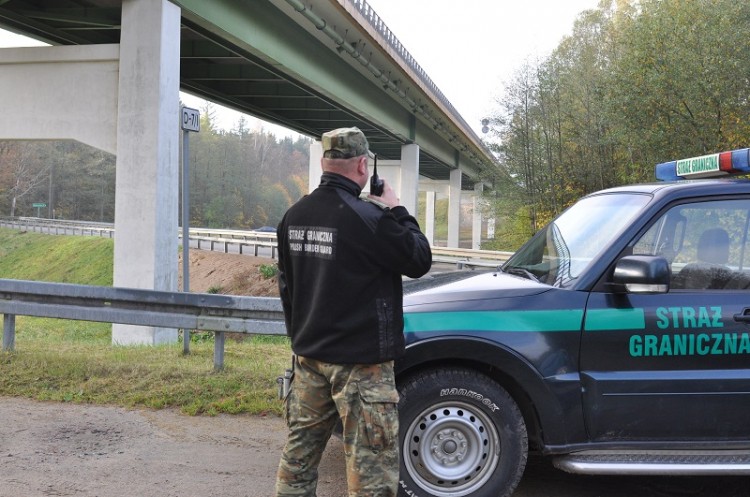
461 435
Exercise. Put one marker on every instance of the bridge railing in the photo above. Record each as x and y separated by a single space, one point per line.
189 311
378 25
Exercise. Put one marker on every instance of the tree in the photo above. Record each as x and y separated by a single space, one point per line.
234 172
636 83
81 182
238 179
682 82
22 170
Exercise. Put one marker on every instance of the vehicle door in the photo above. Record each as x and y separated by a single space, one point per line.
675 366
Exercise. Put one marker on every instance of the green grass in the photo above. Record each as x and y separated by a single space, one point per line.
74 361
63 259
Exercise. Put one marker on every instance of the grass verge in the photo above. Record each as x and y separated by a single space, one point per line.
74 361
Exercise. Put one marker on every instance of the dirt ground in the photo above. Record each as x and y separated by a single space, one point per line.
53 449
231 274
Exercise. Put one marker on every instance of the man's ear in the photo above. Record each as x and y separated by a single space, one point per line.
362 166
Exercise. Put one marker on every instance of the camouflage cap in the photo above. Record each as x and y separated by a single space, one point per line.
349 142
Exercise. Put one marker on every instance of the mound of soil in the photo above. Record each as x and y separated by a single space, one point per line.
231 274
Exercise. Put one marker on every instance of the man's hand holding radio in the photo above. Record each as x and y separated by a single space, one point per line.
388 197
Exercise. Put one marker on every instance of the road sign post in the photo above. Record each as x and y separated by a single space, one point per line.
190 121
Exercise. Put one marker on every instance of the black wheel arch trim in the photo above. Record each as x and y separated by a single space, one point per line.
556 424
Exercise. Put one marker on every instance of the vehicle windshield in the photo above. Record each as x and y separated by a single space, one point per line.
560 252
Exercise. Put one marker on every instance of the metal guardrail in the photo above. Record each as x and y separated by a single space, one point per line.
59 227
201 236
189 311
241 244
242 239
469 257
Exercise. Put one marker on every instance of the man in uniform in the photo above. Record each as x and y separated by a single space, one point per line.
341 259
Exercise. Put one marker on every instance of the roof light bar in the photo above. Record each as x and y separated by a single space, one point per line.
706 166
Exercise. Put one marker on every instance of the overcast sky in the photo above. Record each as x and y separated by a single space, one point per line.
469 48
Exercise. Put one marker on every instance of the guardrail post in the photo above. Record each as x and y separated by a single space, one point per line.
9 332
219 338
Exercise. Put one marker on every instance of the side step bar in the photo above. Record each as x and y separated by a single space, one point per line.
667 462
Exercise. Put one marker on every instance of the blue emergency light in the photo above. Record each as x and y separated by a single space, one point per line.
706 166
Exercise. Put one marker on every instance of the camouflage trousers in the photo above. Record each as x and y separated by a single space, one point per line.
364 396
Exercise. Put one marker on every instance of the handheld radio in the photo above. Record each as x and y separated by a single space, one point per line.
376 184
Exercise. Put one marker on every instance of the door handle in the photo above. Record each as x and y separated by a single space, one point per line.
744 316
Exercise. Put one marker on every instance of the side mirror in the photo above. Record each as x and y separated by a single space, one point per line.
642 274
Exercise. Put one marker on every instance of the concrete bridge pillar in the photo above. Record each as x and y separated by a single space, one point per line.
476 226
314 170
147 165
409 193
429 228
454 208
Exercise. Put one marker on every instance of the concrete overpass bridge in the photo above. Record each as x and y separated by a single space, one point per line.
112 80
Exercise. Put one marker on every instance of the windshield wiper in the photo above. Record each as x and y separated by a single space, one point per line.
519 271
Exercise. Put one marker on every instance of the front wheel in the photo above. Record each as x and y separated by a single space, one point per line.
461 435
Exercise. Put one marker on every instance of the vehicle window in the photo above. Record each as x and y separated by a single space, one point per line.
560 252
705 242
